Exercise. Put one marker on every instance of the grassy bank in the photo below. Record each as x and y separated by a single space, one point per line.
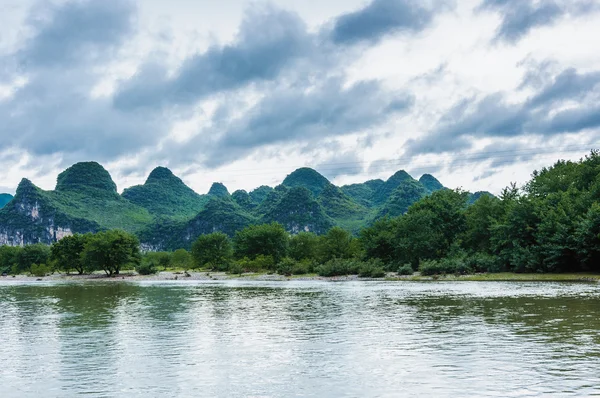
506 277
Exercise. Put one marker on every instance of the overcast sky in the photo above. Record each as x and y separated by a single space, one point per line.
478 93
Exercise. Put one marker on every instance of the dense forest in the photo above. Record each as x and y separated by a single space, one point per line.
551 224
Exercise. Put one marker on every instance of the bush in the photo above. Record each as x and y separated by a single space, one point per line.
481 262
146 268
338 267
236 268
445 266
372 269
286 266
406 269
40 270
303 267
260 263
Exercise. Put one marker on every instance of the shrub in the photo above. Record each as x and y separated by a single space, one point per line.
260 263
445 266
40 270
372 269
303 267
286 266
338 267
406 269
146 268
236 268
481 262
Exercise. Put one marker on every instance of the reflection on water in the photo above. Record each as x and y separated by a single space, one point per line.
356 339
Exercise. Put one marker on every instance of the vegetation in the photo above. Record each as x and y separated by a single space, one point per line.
550 225
212 251
110 251
4 199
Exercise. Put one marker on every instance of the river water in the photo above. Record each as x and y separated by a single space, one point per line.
294 339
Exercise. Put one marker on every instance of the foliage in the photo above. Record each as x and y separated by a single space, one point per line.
181 258
372 269
338 243
406 269
156 260
110 251
257 264
67 253
307 178
266 239
146 268
40 270
29 255
212 251
303 246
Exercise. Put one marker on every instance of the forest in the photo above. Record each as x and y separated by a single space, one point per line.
551 224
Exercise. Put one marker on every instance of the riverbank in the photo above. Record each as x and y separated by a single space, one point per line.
216 276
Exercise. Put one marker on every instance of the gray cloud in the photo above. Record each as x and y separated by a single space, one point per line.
383 17
548 112
519 17
54 113
294 113
341 164
268 40
75 32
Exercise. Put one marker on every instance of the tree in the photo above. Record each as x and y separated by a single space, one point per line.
111 250
8 258
32 254
588 239
303 246
378 239
67 253
338 243
267 240
212 250
181 258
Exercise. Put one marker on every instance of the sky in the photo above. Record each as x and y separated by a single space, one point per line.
479 93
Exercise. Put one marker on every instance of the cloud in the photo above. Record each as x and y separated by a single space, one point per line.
54 111
347 163
267 41
519 17
299 114
76 32
569 103
381 18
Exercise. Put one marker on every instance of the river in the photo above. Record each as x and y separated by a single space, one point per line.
299 339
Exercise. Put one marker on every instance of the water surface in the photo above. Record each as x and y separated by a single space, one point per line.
266 339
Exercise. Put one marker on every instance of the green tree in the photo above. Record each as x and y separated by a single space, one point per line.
111 250
588 239
267 239
67 253
212 250
32 254
181 258
303 246
338 243
378 240
8 258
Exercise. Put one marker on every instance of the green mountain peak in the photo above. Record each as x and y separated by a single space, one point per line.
84 175
161 174
307 178
430 183
219 190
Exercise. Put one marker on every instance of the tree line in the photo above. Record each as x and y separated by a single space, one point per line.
551 224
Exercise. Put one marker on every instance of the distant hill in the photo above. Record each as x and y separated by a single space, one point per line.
165 195
167 214
4 199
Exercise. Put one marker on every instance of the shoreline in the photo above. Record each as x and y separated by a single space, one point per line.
129 276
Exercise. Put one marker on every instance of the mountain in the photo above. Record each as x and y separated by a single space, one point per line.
167 214
473 197
165 195
363 193
4 199
306 178
430 183
402 197
218 215
297 210
85 200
